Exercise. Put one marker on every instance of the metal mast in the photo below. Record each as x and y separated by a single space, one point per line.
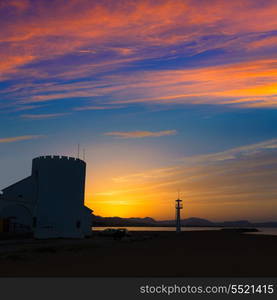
179 206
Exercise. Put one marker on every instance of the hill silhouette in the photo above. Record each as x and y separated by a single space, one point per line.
193 221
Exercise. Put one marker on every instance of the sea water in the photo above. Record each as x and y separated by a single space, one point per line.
266 231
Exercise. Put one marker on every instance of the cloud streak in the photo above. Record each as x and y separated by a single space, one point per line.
95 107
42 116
251 84
19 138
244 84
140 134
234 153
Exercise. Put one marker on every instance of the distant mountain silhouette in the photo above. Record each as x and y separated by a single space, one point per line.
195 222
117 221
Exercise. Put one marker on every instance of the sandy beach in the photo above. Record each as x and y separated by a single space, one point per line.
203 253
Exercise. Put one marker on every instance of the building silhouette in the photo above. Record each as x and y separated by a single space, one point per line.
49 202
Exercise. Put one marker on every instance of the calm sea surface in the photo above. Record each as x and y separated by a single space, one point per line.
142 228
267 231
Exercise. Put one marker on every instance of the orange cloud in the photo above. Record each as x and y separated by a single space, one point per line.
249 84
140 134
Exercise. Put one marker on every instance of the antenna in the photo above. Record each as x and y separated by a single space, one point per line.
84 154
78 151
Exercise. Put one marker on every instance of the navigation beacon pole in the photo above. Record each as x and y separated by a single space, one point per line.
179 206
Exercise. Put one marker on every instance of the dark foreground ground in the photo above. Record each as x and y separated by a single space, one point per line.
206 253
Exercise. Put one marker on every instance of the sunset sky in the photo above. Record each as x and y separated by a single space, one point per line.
163 95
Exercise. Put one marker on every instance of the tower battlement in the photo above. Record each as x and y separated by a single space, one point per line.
57 158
